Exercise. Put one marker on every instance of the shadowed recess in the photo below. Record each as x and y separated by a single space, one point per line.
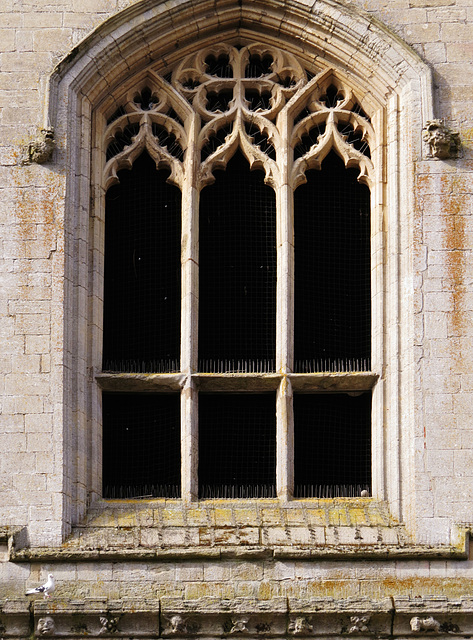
141 444
142 285
332 330
237 445
237 297
332 445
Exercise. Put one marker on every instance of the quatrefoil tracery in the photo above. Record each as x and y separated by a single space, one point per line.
257 98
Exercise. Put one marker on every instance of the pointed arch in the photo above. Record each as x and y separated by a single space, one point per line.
389 81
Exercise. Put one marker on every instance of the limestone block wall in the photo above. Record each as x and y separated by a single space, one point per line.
36 488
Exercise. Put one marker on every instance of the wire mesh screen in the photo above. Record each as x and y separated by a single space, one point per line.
332 330
237 293
332 445
237 446
141 445
142 289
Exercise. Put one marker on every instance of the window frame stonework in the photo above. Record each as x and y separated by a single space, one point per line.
183 94
383 71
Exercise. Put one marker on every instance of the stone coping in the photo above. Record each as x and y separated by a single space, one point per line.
341 552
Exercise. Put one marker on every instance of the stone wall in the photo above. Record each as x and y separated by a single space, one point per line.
48 466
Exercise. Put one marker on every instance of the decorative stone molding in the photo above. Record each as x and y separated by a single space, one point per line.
45 626
210 617
359 624
239 625
109 624
40 149
177 625
92 617
430 615
443 142
180 625
300 626
214 617
424 624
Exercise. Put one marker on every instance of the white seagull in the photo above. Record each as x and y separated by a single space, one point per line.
47 588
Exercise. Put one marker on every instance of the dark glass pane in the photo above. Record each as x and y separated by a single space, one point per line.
141 445
142 290
332 271
332 445
237 445
237 296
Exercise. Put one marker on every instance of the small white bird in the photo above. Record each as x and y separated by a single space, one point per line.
47 588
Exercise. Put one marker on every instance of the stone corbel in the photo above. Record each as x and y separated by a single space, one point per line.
45 626
443 142
39 150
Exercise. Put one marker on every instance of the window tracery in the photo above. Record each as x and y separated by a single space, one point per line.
255 97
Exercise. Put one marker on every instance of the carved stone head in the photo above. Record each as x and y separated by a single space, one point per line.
443 142
46 626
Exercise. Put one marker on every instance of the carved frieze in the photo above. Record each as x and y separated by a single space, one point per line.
109 624
239 625
182 625
211 617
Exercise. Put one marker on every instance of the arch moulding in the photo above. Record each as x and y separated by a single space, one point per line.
390 80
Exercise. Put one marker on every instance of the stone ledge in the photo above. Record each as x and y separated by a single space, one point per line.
362 552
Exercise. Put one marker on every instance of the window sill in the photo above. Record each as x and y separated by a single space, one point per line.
166 530
165 382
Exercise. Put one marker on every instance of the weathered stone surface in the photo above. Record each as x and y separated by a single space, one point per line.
253 568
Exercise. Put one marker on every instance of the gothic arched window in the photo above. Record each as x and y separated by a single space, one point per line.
237 284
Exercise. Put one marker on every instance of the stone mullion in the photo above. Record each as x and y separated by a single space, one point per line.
189 317
285 317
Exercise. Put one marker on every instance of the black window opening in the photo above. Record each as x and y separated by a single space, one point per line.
237 445
237 266
332 445
142 281
141 446
332 328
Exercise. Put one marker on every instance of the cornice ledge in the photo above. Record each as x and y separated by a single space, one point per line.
352 552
